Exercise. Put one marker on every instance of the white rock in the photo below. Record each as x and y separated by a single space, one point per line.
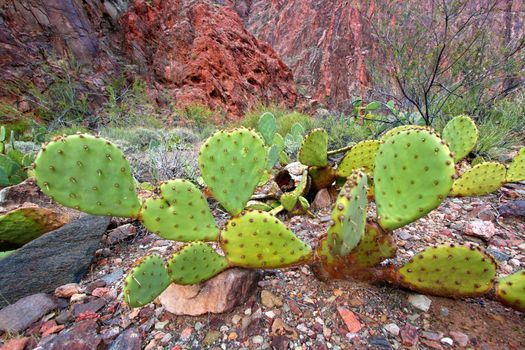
447 341
77 297
257 339
420 302
270 314
515 262
392 328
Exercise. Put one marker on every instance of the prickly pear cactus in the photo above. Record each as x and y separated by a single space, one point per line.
413 174
6 253
278 141
289 199
449 271
267 127
258 205
375 246
232 162
89 174
146 281
22 225
461 134
482 179
195 263
314 148
398 129
259 240
516 171
348 220
181 213
510 290
362 155
11 173
273 157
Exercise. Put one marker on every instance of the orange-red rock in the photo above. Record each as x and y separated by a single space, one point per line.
202 54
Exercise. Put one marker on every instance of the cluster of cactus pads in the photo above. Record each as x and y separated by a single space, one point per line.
411 170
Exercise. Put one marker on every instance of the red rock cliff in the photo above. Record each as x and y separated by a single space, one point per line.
329 44
324 42
202 53
194 50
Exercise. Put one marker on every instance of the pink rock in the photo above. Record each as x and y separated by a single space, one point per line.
100 292
461 338
67 290
186 333
352 322
322 200
408 335
481 229
219 294
15 344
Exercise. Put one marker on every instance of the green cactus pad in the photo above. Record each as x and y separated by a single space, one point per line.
180 214
375 246
273 156
6 253
362 155
510 290
461 134
516 170
314 148
232 162
449 271
289 199
402 128
22 225
89 174
278 141
257 205
259 240
324 253
11 173
267 127
146 281
347 226
482 179
195 263
413 174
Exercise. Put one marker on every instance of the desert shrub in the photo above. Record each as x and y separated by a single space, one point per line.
343 129
129 104
68 131
138 137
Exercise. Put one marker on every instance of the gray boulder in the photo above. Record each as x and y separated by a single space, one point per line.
54 259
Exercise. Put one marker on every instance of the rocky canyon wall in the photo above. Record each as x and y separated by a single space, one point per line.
328 43
202 53
195 51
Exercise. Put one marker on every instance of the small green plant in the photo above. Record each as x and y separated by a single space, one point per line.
13 163
413 173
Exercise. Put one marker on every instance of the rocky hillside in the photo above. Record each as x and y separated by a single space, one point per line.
325 43
329 45
202 53
193 50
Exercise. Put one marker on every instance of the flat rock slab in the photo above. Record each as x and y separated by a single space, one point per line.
17 317
54 259
219 294
130 339
82 336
